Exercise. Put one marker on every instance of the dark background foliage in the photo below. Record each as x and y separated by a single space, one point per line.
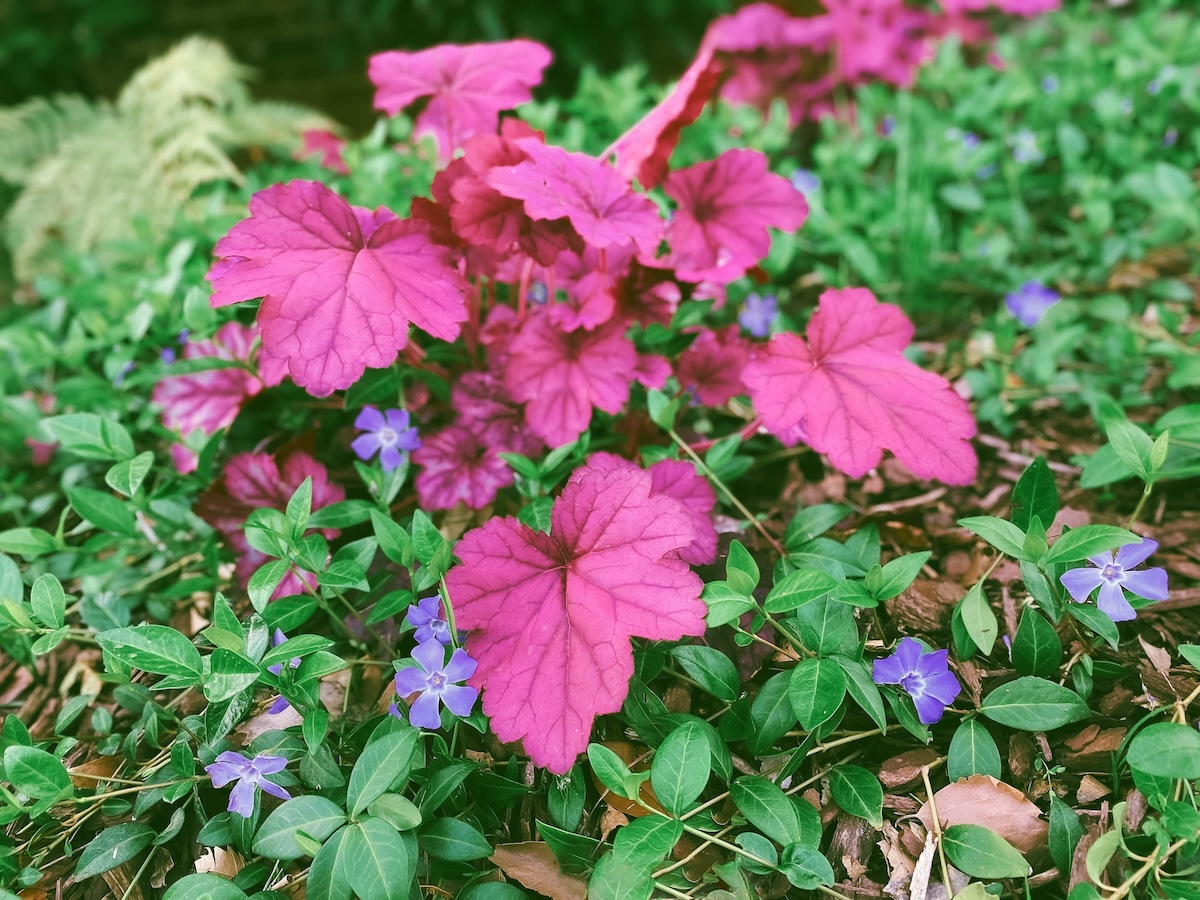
314 51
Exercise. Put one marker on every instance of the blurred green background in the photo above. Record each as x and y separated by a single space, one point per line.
315 51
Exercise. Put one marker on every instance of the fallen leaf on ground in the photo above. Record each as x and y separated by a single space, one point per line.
532 864
982 800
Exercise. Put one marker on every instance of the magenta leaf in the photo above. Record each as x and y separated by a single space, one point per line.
554 183
724 209
680 480
210 400
340 284
711 368
467 86
642 152
560 376
851 394
459 465
551 615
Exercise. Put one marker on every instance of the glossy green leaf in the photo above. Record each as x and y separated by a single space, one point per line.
973 751
153 648
680 768
35 772
387 758
112 847
1034 704
1036 494
709 668
1167 750
454 840
982 853
1036 648
1080 543
857 792
797 588
979 620
314 815
204 887
127 476
816 689
374 861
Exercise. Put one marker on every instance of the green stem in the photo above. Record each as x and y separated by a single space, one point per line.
684 446
1137 510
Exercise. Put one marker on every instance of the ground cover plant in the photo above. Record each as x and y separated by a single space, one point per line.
781 481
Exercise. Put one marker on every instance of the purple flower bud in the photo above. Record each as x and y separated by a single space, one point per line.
983 173
1050 84
426 618
888 125
122 373
538 293
167 355
1170 137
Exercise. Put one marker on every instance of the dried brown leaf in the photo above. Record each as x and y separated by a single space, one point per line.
982 800
533 864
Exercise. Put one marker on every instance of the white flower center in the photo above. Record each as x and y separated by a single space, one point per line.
388 436
1113 572
437 681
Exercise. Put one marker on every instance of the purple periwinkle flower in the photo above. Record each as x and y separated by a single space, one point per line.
249 774
970 140
280 703
388 434
1029 302
924 675
1025 147
888 125
1050 84
184 334
758 314
426 617
437 681
167 355
1170 137
805 181
1114 577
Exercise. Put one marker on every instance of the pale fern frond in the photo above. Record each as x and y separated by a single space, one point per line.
33 131
91 172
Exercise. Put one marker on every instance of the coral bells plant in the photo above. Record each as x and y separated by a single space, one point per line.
525 532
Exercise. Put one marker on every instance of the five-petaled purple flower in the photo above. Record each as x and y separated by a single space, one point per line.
758 314
249 774
1029 302
426 617
1113 576
389 434
280 703
924 674
805 181
437 681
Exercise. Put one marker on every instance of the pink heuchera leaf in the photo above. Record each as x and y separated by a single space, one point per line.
467 86
854 394
725 206
484 217
680 480
458 464
485 406
551 615
643 151
208 401
712 366
327 145
561 376
340 284
554 183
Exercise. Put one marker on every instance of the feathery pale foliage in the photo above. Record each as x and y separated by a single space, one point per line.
89 172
